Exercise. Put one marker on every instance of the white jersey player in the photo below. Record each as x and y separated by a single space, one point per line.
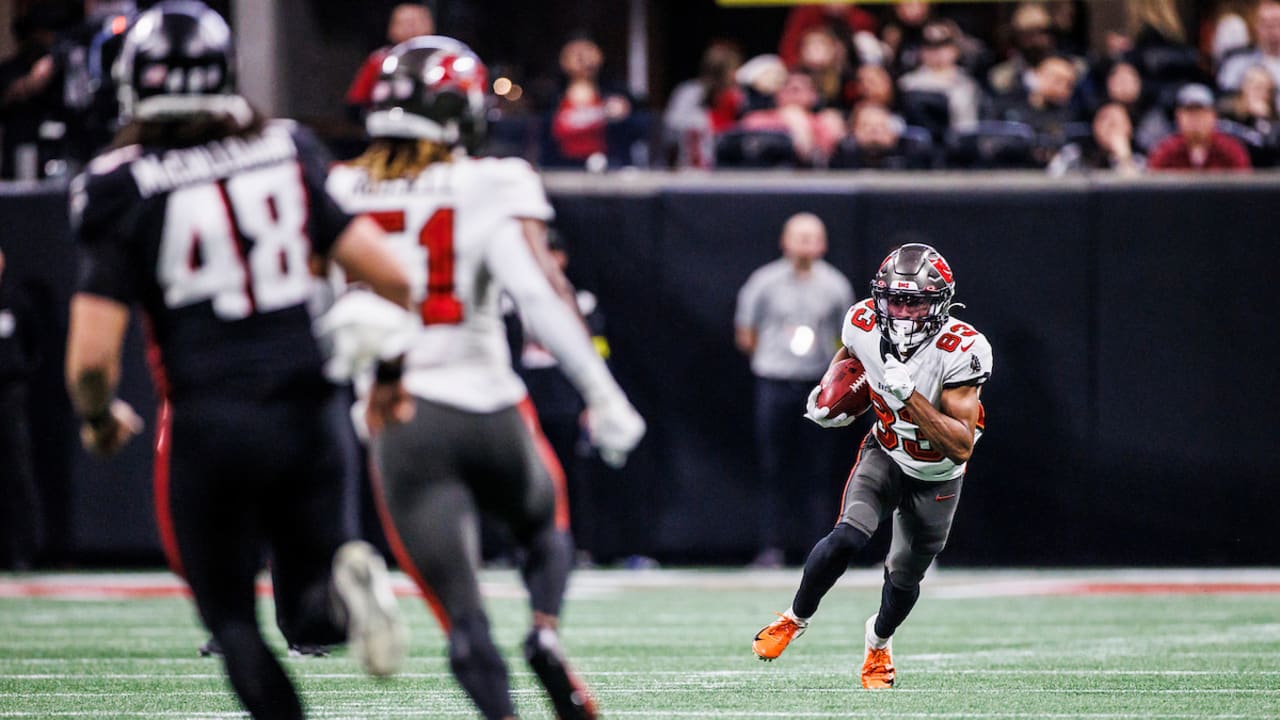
454 431
925 372
960 356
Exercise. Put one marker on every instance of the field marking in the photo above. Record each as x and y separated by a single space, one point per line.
942 582
721 714
648 673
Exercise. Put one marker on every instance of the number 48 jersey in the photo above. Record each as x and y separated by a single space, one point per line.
957 356
454 229
213 241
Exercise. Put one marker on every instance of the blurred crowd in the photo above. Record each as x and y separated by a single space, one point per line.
910 86
905 86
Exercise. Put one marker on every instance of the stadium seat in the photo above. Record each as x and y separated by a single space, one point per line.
755 149
1262 151
1076 132
915 151
514 136
993 144
928 110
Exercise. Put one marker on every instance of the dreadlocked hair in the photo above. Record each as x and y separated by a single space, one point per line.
394 158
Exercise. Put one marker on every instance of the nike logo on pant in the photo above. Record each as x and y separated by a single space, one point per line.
940 498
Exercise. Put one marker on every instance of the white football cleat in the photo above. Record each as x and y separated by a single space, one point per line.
375 632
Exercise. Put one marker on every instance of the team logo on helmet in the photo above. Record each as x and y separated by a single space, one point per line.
917 281
433 88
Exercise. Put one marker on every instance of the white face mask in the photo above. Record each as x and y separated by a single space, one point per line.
905 335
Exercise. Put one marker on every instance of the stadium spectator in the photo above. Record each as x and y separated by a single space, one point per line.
928 416
761 78
1069 37
1198 145
703 107
408 19
814 133
29 93
1225 29
453 432
22 517
1109 147
828 63
1159 50
1150 123
875 142
787 320
875 85
1255 106
902 35
589 120
939 71
1033 41
1266 50
1047 108
851 26
249 427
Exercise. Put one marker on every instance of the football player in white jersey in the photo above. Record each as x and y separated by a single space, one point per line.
454 433
926 371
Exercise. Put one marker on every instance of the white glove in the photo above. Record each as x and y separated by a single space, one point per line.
897 379
362 328
819 414
615 428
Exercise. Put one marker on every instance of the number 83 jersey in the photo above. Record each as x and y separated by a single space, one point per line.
214 242
956 356
455 229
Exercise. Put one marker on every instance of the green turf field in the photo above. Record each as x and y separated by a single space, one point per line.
662 644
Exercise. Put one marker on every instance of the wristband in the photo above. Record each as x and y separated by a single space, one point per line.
389 372
100 420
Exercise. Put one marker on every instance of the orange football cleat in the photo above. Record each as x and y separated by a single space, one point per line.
877 663
774 637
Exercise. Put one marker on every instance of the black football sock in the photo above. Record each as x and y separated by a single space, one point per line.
895 606
478 666
257 677
548 559
827 561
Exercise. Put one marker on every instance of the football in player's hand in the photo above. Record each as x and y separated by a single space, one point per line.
844 389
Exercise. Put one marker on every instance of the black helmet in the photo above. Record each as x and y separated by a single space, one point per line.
178 59
917 274
430 87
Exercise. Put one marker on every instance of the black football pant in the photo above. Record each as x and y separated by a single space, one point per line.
244 478
797 478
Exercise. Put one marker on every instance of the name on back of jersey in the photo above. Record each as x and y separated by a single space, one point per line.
155 174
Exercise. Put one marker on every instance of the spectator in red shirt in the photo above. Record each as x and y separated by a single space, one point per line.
408 20
814 133
845 20
580 120
1198 145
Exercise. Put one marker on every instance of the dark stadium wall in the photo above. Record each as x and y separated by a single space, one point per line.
1130 419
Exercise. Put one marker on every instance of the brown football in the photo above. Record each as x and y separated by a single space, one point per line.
844 389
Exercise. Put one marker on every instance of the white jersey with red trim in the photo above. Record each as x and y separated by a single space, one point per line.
455 230
958 355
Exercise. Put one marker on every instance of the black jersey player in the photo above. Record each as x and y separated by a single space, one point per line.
205 217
